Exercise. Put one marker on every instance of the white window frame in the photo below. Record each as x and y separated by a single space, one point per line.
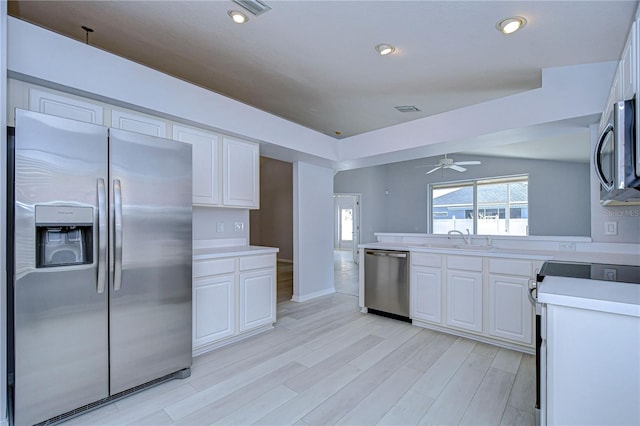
474 183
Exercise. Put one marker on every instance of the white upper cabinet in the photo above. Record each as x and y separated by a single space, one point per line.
65 106
628 66
206 169
240 173
226 170
139 123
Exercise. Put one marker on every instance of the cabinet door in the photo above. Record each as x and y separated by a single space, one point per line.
138 123
240 173
205 163
257 305
628 66
464 300
66 107
426 293
510 312
213 309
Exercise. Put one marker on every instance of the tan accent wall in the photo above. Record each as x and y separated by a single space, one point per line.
272 225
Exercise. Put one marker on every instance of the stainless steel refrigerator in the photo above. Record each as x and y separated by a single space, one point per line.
102 264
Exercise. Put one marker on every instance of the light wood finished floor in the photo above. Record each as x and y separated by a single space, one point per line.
284 289
327 363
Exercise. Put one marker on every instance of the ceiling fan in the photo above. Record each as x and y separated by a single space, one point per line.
448 163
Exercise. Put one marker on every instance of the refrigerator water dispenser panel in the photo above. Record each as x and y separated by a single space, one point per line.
64 236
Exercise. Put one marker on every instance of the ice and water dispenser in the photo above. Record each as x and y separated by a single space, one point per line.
64 236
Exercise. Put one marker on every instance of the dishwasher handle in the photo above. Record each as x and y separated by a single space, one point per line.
386 253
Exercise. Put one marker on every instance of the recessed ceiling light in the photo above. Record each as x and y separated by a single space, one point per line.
385 49
511 25
238 17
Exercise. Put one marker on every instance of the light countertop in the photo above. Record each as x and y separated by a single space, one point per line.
515 253
218 252
597 295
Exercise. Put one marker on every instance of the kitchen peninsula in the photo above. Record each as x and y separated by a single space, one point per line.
480 290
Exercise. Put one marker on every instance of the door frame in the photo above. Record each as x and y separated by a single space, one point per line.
357 220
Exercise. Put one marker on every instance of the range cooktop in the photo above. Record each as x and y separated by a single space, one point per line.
591 271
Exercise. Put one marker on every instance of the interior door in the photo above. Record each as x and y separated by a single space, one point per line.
150 300
60 307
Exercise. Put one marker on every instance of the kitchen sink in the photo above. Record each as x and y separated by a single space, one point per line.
474 248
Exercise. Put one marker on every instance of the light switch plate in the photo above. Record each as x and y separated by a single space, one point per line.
219 226
611 228
239 226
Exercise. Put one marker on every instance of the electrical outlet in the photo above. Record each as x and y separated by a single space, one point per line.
610 274
239 226
567 246
611 228
219 226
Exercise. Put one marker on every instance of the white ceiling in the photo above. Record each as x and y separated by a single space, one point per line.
314 63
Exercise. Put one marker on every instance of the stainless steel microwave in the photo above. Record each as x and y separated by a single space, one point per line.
617 157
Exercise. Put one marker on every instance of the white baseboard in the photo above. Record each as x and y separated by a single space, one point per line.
513 346
233 339
310 296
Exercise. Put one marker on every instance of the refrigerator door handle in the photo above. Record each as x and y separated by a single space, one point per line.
102 235
117 201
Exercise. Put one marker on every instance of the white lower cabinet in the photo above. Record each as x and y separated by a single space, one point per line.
426 287
474 296
464 300
257 299
213 309
510 312
232 297
426 291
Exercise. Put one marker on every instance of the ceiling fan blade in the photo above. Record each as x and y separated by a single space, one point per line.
427 165
457 168
467 163
433 170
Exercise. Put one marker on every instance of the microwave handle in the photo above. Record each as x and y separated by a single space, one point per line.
596 158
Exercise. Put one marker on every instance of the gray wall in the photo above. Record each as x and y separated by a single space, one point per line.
394 196
370 183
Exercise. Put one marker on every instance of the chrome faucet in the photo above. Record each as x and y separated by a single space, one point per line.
466 238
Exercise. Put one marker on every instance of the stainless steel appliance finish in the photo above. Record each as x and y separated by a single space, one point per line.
613 158
113 311
575 270
386 281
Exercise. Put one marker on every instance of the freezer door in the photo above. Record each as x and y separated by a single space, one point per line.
150 298
60 315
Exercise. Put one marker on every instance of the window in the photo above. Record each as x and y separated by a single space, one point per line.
496 206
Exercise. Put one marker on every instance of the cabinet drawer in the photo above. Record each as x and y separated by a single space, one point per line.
510 267
257 262
426 259
464 263
203 268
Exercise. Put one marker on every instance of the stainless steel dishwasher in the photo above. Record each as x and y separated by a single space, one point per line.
386 282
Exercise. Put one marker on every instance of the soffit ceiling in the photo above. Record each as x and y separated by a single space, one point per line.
314 63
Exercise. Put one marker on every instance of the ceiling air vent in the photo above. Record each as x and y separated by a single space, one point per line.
254 6
407 108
